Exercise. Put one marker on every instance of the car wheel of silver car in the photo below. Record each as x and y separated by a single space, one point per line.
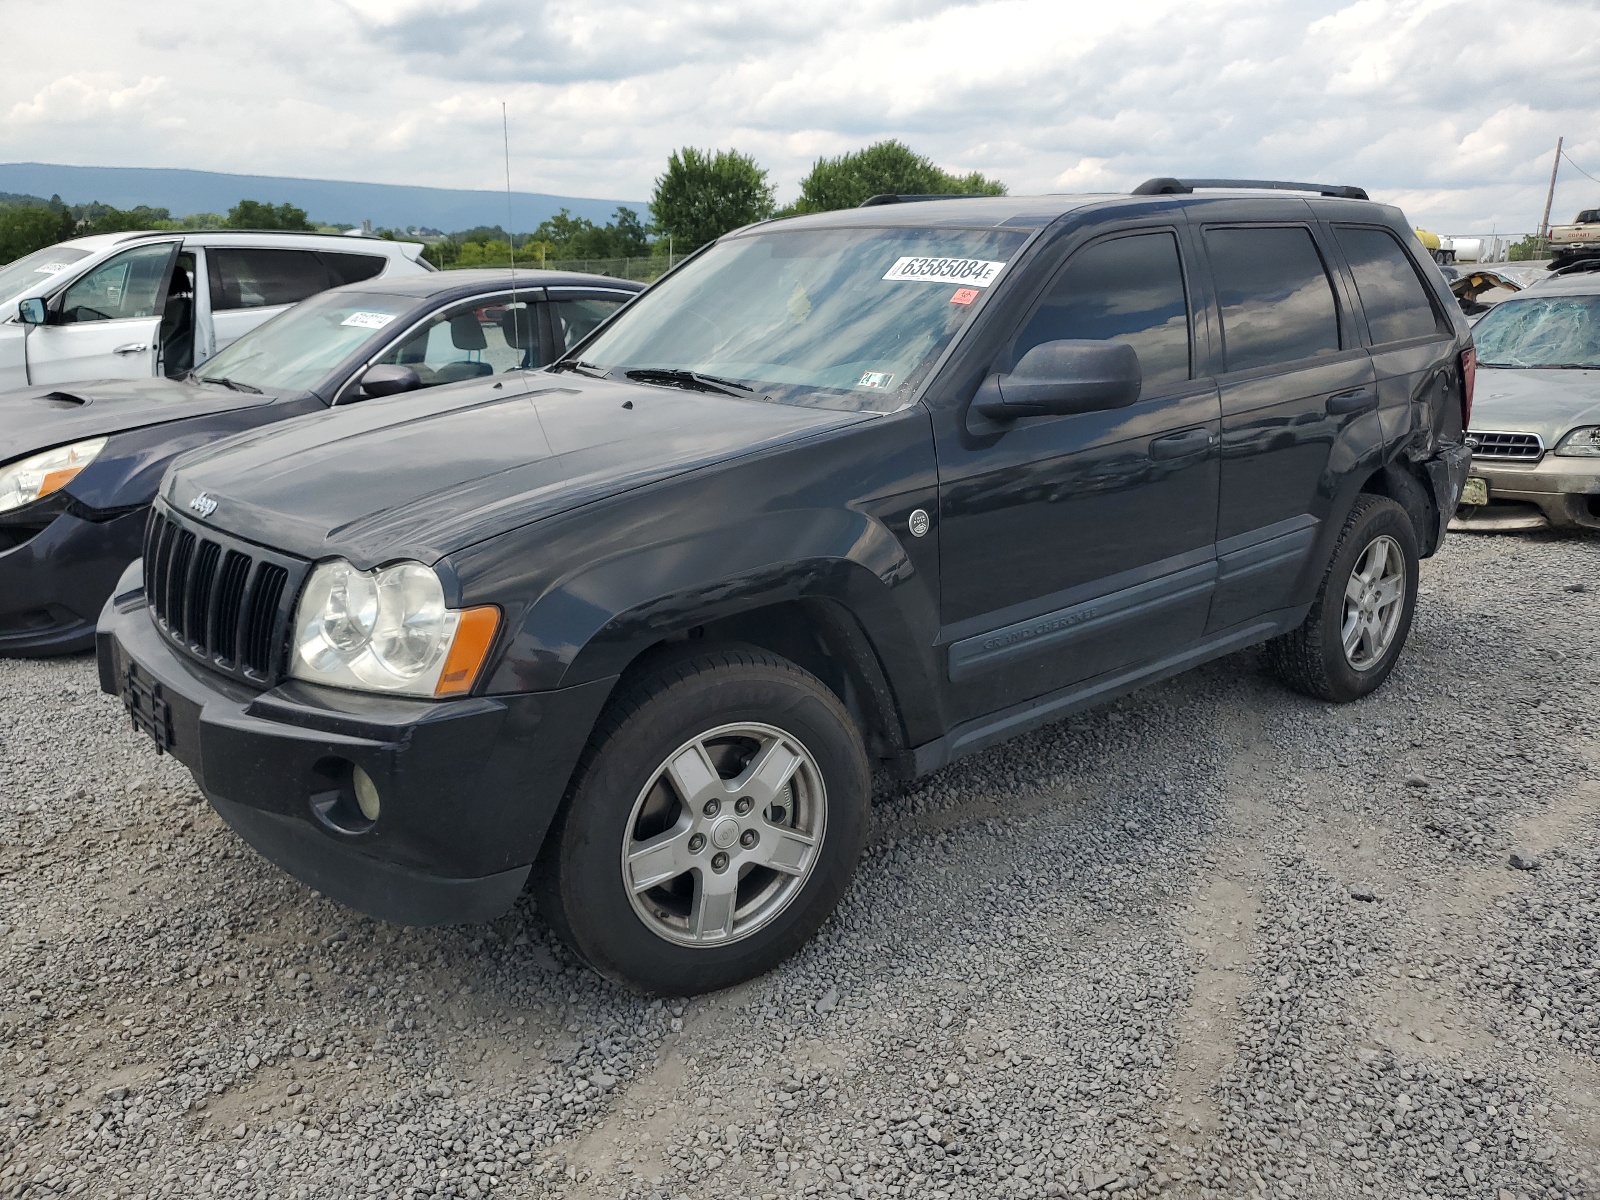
714 822
1358 622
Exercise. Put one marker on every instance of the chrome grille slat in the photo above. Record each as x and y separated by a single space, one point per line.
1507 447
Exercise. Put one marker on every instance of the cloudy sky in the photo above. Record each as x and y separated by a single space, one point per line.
1450 108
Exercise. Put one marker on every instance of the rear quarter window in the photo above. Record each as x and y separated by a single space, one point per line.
1392 293
252 277
1276 299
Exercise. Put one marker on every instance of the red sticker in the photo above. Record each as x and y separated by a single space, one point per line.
964 296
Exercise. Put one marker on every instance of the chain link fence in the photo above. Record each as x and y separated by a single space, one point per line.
641 270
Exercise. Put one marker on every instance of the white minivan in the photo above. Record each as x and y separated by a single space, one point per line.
134 305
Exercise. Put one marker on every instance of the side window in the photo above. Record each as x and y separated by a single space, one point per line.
1277 302
1395 300
243 277
351 268
470 341
1129 289
577 319
125 285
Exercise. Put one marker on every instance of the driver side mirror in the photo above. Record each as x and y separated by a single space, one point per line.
1059 378
31 311
387 379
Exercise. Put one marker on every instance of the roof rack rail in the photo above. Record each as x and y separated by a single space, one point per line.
889 198
1166 186
143 233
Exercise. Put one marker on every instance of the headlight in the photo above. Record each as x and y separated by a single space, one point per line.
1580 443
26 481
388 631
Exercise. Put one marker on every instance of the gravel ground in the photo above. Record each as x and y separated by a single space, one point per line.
1215 940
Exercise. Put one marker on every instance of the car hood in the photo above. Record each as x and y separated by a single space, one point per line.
416 477
41 417
1546 402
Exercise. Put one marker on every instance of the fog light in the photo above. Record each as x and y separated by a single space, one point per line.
366 793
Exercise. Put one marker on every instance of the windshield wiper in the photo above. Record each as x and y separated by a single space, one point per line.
592 370
231 383
694 380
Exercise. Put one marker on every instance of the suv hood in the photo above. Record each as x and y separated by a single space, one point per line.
1530 400
41 417
419 476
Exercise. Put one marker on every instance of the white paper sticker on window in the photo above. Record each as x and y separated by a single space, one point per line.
366 320
875 379
51 268
969 272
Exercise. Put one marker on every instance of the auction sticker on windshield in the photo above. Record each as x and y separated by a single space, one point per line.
970 272
368 320
50 268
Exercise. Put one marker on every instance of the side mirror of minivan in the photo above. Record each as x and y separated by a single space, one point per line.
31 311
387 379
1058 378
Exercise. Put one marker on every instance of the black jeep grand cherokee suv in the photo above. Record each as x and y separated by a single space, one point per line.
876 487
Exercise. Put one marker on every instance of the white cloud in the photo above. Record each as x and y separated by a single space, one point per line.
1449 106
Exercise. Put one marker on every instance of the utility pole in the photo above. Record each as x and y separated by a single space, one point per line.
1549 197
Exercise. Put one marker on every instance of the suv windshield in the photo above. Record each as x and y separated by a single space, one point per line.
836 318
17 277
1544 331
297 348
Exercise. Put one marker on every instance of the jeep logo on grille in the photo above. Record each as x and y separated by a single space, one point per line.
203 504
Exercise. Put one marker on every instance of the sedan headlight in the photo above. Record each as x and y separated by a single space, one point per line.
388 631
1580 443
29 479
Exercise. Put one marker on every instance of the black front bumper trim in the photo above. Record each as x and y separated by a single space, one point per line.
394 892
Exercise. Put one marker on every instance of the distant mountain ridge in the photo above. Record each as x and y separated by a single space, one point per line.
329 201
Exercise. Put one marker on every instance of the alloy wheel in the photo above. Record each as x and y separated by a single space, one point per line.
724 835
1374 599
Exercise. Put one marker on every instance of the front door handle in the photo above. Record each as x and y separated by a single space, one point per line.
1178 445
1356 400
131 348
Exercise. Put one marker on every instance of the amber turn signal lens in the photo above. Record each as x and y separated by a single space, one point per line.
474 634
54 481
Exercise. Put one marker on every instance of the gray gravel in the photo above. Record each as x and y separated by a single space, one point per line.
1216 940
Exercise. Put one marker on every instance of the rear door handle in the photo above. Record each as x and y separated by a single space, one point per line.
1356 400
131 348
1177 445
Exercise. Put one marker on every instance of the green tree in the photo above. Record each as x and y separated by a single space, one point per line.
254 214
629 238
886 168
103 218
703 195
1530 247
26 228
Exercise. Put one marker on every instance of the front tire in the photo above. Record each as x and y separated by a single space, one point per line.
714 822
1357 625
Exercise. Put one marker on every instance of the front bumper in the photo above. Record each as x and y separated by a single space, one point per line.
468 787
54 583
1559 491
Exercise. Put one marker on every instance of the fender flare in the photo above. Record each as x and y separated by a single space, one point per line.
593 623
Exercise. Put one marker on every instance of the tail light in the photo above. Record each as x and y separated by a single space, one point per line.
1469 376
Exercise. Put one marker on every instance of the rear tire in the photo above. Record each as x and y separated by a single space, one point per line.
714 822
1357 625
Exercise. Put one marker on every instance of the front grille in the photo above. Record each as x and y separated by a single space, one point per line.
1506 447
224 601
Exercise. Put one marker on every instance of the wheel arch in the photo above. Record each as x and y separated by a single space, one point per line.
847 604
1400 483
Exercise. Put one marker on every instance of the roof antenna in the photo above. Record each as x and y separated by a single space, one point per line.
511 233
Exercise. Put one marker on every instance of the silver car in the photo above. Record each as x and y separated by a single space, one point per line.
1535 427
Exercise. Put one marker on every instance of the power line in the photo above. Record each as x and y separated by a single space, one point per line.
1577 168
